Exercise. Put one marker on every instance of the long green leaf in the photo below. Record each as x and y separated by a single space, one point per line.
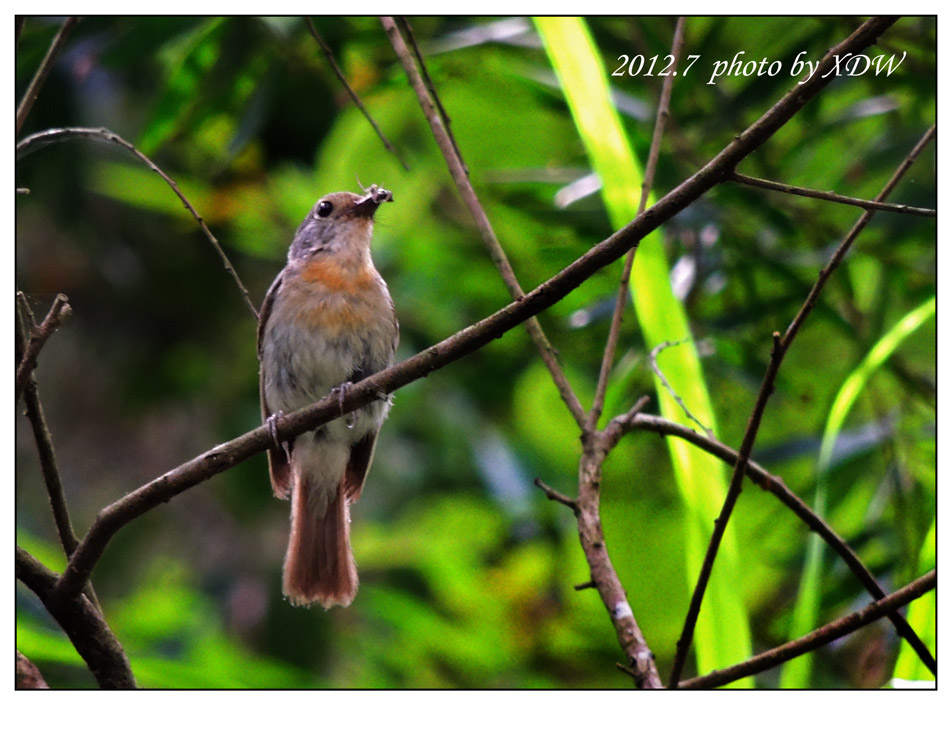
922 616
722 633
797 673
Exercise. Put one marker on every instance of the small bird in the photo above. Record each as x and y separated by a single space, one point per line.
327 321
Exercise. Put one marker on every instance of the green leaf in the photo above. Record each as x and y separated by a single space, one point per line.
722 632
922 616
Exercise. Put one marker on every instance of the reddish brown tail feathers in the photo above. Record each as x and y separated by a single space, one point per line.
319 566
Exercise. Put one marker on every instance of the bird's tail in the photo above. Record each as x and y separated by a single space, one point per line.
319 566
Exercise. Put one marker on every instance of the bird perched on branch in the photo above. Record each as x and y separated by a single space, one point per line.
327 322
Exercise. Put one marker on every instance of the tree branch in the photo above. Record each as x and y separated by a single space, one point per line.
328 53
42 139
603 575
821 636
554 495
84 626
623 290
849 239
460 175
28 676
38 335
916 211
33 92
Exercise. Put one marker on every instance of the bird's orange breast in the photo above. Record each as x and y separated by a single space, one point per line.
332 299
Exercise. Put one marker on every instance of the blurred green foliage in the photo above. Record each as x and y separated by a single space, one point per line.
467 570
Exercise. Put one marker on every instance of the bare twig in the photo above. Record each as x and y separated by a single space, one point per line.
467 192
32 92
554 495
849 239
780 345
224 456
38 335
775 485
654 364
623 291
328 53
42 139
430 86
26 329
821 636
87 630
44 442
622 424
811 193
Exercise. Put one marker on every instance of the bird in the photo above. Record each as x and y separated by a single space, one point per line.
326 322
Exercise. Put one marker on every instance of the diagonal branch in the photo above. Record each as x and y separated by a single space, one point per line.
101 134
464 185
623 291
403 23
33 92
86 628
811 193
328 53
780 345
222 457
821 636
38 335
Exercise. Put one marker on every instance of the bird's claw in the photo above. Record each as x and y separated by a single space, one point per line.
271 424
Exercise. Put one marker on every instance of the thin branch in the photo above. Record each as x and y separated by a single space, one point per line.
554 495
26 329
654 364
623 291
430 86
622 424
222 457
42 139
467 192
328 53
38 335
849 239
811 193
85 627
821 636
32 92
777 487
732 495
780 346
44 441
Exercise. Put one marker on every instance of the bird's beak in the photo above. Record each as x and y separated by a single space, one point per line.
368 205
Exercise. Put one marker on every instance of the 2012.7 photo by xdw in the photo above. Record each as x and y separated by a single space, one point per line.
464 352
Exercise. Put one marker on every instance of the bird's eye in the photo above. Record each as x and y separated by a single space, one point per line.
324 208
